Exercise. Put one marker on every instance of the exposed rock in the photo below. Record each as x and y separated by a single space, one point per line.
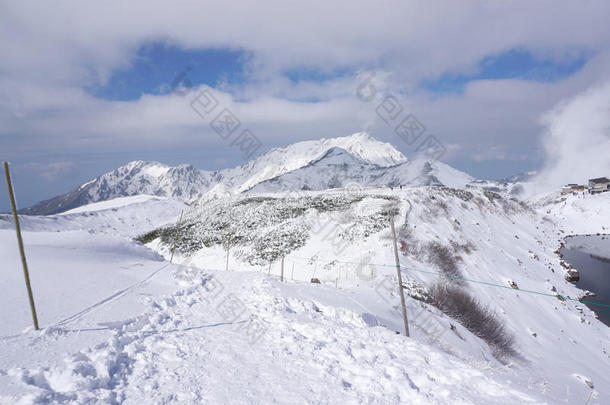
572 275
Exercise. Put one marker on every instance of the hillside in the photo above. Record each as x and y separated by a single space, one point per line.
474 235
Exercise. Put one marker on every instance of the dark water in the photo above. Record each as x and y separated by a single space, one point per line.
594 273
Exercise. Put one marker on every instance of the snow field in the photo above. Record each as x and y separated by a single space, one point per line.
153 334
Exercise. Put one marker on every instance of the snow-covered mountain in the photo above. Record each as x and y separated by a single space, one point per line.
189 183
185 182
321 164
279 161
339 168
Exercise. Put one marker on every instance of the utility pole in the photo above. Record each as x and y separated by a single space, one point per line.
400 290
24 263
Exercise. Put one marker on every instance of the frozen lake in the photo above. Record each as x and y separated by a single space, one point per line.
590 255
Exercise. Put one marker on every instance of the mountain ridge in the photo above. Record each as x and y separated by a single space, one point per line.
378 163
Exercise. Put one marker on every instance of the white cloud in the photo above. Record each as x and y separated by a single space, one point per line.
50 52
50 171
77 42
577 140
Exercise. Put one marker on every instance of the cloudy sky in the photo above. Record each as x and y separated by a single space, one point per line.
506 86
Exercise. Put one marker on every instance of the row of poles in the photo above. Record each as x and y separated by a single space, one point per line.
26 273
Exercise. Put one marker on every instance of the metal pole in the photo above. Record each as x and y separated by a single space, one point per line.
176 237
400 291
282 271
26 273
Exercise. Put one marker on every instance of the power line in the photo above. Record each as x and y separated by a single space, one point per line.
461 279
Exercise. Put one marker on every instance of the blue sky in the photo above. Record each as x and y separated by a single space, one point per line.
80 99
158 66
516 63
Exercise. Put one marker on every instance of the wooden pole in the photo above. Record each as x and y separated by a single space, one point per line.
400 291
282 271
227 267
24 263
176 237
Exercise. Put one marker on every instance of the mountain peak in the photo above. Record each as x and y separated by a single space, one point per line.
368 148
337 155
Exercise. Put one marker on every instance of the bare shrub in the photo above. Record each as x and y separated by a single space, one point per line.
492 196
461 194
467 247
443 206
444 259
479 319
481 204
409 246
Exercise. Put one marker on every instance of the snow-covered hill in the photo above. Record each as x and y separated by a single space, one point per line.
191 184
118 327
132 330
500 246
125 216
578 214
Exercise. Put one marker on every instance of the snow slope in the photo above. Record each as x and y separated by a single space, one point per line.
185 350
339 168
112 204
578 214
69 272
495 241
127 216
121 325
110 336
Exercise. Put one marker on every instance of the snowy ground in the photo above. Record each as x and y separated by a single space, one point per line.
121 325
582 214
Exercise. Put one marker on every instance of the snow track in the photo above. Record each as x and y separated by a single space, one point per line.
117 295
186 350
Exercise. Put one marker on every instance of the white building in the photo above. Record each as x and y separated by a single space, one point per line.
599 185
